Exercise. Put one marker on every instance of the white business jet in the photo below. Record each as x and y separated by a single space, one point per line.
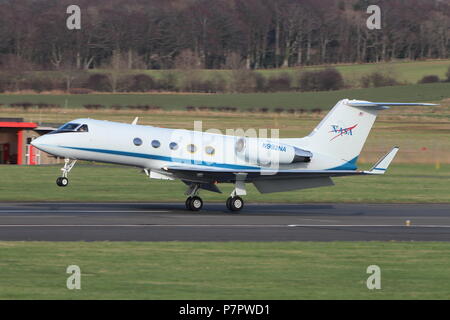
202 160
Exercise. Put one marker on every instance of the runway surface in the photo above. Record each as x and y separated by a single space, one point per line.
257 222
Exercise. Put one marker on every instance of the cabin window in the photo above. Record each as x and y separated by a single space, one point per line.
156 144
137 141
240 145
191 148
173 146
210 150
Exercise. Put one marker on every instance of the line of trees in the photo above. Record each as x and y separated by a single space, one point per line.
216 34
243 81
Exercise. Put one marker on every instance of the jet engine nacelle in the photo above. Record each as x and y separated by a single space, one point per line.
266 152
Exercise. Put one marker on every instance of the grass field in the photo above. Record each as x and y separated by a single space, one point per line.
236 270
402 184
306 100
403 71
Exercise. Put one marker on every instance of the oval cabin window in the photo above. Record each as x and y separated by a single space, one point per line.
137 141
210 150
173 146
156 144
191 148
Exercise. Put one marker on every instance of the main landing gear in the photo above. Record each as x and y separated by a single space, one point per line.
234 203
193 202
68 165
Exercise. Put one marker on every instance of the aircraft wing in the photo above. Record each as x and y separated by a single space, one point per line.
265 181
204 174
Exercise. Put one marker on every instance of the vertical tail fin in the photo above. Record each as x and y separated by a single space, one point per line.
343 132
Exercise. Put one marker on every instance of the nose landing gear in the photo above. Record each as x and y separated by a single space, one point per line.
68 165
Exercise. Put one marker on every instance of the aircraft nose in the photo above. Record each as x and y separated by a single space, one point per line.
39 142
36 142
49 144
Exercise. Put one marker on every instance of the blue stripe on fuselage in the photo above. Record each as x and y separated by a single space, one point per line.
351 165
164 158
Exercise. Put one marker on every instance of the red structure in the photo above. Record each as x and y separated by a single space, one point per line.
12 141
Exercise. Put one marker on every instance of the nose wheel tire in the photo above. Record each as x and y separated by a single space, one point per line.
194 203
62 182
235 203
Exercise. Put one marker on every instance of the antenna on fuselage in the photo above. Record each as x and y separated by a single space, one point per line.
135 121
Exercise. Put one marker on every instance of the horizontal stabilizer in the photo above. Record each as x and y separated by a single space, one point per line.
386 105
381 166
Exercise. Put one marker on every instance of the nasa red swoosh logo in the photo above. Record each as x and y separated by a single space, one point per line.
340 131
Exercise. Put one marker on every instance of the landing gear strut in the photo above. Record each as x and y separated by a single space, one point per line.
234 202
193 202
68 165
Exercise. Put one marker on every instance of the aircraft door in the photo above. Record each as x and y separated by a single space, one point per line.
4 149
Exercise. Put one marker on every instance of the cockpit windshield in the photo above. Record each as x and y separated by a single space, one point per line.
83 128
69 127
72 127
